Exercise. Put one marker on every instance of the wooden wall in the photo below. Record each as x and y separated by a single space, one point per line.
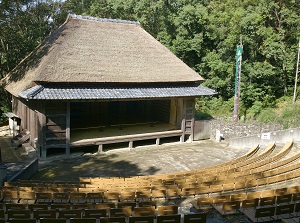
27 112
161 110
94 114
55 131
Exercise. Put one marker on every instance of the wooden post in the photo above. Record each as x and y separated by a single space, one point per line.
100 148
157 141
42 150
130 144
192 120
183 120
68 135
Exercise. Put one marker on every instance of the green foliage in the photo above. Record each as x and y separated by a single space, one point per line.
202 115
290 117
254 110
23 25
215 106
267 115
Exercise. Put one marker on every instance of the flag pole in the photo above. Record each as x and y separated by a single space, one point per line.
238 69
296 77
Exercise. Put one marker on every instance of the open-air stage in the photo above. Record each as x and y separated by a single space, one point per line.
123 133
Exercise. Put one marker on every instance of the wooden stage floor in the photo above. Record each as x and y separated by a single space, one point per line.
94 136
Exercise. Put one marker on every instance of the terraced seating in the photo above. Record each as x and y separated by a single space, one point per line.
232 187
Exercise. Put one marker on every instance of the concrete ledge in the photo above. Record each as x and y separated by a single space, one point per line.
3 175
278 137
26 172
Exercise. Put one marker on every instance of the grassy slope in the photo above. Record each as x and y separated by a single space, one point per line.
283 111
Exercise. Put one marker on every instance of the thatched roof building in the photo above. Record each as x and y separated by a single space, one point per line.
92 60
90 50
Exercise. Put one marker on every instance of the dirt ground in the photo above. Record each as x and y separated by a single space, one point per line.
143 160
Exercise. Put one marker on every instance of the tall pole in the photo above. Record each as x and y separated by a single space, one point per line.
296 77
238 70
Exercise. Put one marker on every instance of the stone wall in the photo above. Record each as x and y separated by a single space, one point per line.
277 137
231 129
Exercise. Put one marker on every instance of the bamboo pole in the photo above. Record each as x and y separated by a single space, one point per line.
296 76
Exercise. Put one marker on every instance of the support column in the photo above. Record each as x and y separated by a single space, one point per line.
68 133
130 144
158 141
192 119
100 148
41 117
183 122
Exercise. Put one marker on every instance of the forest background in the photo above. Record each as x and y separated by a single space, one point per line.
203 33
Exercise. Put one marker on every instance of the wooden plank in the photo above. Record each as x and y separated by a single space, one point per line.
20 138
56 115
55 146
127 138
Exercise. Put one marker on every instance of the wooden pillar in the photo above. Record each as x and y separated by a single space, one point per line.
192 120
68 132
183 120
100 148
41 148
130 144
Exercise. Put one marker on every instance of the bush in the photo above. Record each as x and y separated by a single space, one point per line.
199 115
253 111
267 115
215 106
290 116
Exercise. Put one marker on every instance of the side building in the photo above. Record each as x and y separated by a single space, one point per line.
100 81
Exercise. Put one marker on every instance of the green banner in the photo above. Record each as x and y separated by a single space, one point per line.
238 66
238 61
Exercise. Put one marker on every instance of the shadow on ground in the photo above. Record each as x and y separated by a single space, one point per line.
89 166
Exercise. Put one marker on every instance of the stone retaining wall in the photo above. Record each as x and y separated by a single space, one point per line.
231 130
277 137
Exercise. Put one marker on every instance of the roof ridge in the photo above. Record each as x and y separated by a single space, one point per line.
82 17
31 92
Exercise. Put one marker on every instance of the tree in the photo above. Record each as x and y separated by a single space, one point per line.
23 25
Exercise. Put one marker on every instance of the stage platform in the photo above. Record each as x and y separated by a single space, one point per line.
123 133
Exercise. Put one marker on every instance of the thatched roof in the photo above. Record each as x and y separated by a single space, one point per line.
90 50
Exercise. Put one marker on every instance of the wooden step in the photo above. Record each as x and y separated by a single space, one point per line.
20 138
55 115
56 146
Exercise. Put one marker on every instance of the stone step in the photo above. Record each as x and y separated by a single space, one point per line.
27 150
